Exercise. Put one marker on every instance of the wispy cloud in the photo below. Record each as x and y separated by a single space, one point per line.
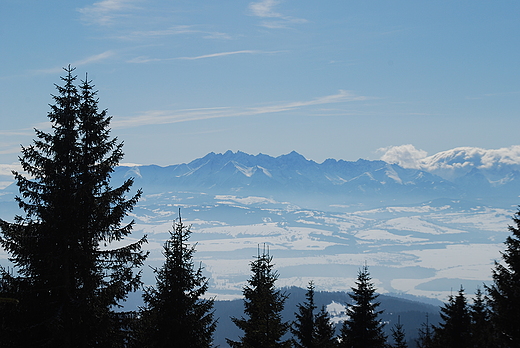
489 95
215 35
157 117
174 30
95 58
104 12
25 131
10 150
88 60
6 174
221 54
501 94
212 55
341 96
265 9
6 169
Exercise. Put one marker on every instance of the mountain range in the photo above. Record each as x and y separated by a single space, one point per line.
333 182
420 231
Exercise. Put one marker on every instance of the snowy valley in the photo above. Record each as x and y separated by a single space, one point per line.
420 234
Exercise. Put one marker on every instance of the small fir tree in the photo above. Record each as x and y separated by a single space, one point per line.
304 326
68 279
324 330
263 304
363 329
312 330
455 329
481 329
398 335
426 335
504 298
176 314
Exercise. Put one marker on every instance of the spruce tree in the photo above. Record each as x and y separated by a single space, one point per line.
363 329
426 335
176 314
67 278
324 330
398 335
304 326
504 298
455 330
312 330
481 329
263 304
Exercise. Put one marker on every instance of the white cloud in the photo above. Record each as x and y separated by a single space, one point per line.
24 132
6 169
155 117
265 9
10 150
341 96
407 156
474 157
455 162
221 54
104 12
217 36
6 175
143 59
174 30
94 58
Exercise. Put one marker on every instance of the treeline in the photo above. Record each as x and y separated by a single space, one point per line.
72 268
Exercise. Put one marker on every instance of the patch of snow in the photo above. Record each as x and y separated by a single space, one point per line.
379 235
416 224
247 171
246 200
460 260
266 171
337 312
392 174
133 172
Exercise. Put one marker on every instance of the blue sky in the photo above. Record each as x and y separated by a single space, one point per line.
328 79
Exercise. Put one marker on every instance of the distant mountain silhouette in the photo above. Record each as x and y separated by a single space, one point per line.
293 177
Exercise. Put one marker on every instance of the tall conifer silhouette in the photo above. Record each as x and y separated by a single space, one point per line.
263 326
504 292
176 314
363 329
67 276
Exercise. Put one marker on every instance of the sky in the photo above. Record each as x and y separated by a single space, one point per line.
328 79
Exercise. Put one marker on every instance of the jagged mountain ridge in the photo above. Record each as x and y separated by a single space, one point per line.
292 176
216 169
237 201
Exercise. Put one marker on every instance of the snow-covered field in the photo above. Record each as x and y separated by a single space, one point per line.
426 250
